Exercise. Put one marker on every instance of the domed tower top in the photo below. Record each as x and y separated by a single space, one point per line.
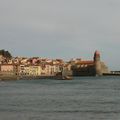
97 56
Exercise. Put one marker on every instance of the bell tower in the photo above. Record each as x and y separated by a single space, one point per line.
97 63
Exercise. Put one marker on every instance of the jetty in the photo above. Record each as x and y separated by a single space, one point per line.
112 73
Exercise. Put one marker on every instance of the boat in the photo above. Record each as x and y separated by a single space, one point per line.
67 78
64 78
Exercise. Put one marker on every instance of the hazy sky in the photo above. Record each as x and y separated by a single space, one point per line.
61 28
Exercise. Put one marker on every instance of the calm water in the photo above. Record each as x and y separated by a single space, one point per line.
89 98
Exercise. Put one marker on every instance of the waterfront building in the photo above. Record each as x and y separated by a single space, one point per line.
49 69
67 69
89 67
84 68
8 69
23 70
24 61
52 69
35 70
31 70
1 59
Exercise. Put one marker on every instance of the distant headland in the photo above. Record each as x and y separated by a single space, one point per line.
37 67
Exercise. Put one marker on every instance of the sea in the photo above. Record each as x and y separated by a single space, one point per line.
83 98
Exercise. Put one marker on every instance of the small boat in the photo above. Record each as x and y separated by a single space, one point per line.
65 78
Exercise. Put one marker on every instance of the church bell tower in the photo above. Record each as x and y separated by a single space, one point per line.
97 63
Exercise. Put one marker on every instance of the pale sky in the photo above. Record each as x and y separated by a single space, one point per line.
61 29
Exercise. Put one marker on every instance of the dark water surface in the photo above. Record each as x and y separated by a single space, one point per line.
84 98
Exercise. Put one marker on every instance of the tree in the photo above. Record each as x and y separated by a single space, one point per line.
5 53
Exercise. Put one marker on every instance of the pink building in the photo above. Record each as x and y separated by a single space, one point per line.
7 68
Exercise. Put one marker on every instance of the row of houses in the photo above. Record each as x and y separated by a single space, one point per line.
31 66
30 70
36 66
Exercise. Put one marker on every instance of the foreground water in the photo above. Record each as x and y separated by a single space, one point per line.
84 98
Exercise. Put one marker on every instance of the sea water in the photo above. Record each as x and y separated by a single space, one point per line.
84 98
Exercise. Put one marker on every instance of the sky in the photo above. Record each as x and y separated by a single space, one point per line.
62 29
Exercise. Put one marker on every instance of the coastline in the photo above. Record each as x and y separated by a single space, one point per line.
16 77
